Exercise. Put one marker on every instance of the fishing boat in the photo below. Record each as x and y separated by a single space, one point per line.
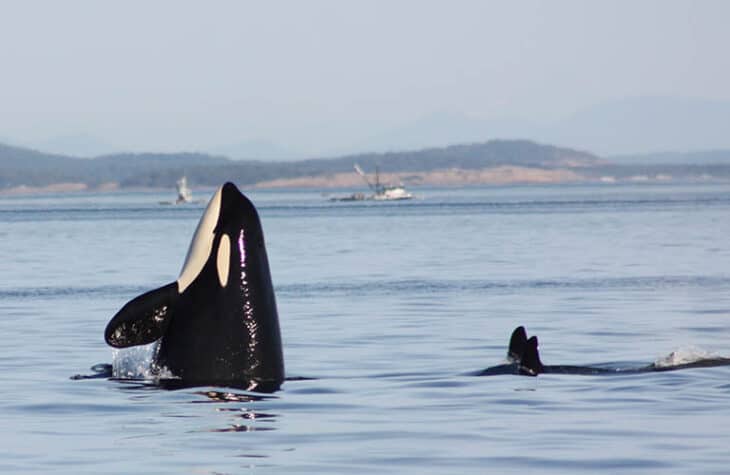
381 191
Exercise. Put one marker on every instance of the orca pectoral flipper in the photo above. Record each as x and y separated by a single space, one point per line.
143 319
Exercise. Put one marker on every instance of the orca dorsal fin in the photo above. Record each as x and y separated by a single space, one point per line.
517 343
143 319
530 364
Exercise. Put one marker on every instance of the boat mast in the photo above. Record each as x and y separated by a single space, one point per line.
378 187
365 177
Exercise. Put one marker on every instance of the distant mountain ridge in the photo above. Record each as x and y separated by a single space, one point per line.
630 125
620 126
25 167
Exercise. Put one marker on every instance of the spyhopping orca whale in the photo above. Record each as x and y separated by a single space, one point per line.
523 358
217 324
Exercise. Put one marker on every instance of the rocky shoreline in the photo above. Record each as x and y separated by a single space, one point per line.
503 175
449 177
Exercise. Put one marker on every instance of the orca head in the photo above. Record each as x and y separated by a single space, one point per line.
218 322
230 226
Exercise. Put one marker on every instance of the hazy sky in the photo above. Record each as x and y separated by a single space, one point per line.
318 75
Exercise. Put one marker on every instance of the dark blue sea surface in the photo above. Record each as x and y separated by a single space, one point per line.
389 306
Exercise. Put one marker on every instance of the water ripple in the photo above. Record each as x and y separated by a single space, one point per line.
428 286
410 286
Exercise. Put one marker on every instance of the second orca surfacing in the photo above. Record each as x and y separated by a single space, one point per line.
523 358
217 325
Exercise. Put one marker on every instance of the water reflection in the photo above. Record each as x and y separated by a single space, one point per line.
225 396
235 405
243 428
244 418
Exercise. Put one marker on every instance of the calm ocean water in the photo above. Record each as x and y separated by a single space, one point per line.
389 306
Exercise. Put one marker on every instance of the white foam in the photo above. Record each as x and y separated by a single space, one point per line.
134 362
683 356
137 363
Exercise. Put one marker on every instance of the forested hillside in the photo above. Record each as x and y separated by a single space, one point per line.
20 166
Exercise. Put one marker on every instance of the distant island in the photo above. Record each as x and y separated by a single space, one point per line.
492 162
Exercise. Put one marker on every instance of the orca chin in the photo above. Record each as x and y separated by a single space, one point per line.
217 324
523 358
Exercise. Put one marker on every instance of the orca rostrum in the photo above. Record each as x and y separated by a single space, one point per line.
217 324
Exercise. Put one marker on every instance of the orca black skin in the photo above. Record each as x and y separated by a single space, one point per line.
217 324
523 358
